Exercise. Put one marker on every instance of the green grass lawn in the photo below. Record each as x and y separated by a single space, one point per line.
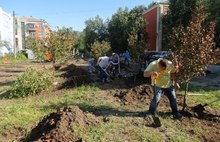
206 95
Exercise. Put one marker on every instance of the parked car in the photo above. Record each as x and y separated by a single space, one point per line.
150 55
154 55
161 54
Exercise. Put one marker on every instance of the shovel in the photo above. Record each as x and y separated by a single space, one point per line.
156 119
200 108
107 74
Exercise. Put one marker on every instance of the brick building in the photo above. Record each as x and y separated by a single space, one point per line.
153 17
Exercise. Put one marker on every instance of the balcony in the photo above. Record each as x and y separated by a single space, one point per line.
30 27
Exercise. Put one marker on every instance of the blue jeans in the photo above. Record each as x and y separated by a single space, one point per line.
170 93
91 68
127 61
103 75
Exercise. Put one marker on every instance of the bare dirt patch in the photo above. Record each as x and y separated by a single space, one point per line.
74 76
136 95
13 134
207 120
209 128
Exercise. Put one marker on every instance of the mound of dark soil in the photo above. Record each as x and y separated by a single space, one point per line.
75 76
58 126
136 95
209 115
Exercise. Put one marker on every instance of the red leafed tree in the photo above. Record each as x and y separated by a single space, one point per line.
193 47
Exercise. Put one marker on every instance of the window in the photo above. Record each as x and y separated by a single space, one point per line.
32 33
40 25
40 34
23 34
16 42
30 26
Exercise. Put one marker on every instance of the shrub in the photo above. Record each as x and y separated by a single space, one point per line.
100 48
20 57
31 82
11 57
37 46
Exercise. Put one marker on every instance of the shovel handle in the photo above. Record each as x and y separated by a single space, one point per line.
155 79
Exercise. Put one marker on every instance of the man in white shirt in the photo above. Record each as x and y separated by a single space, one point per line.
103 63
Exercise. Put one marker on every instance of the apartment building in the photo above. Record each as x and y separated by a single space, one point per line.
6 32
30 26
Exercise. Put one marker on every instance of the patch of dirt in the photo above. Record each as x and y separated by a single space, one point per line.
13 134
79 61
209 124
136 95
58 125
206 114
207 120
75 76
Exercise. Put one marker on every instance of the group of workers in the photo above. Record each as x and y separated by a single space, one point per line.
162 69
106 64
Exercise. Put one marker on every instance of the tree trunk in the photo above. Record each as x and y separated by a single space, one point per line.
184 98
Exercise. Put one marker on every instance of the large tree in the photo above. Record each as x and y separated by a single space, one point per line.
127 29
179 13
193 47
96 30
80 42
61 43
118 32
213 11
137 37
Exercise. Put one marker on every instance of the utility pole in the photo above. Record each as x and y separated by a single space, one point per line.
14 31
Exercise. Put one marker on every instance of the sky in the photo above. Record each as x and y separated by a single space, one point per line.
68 13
